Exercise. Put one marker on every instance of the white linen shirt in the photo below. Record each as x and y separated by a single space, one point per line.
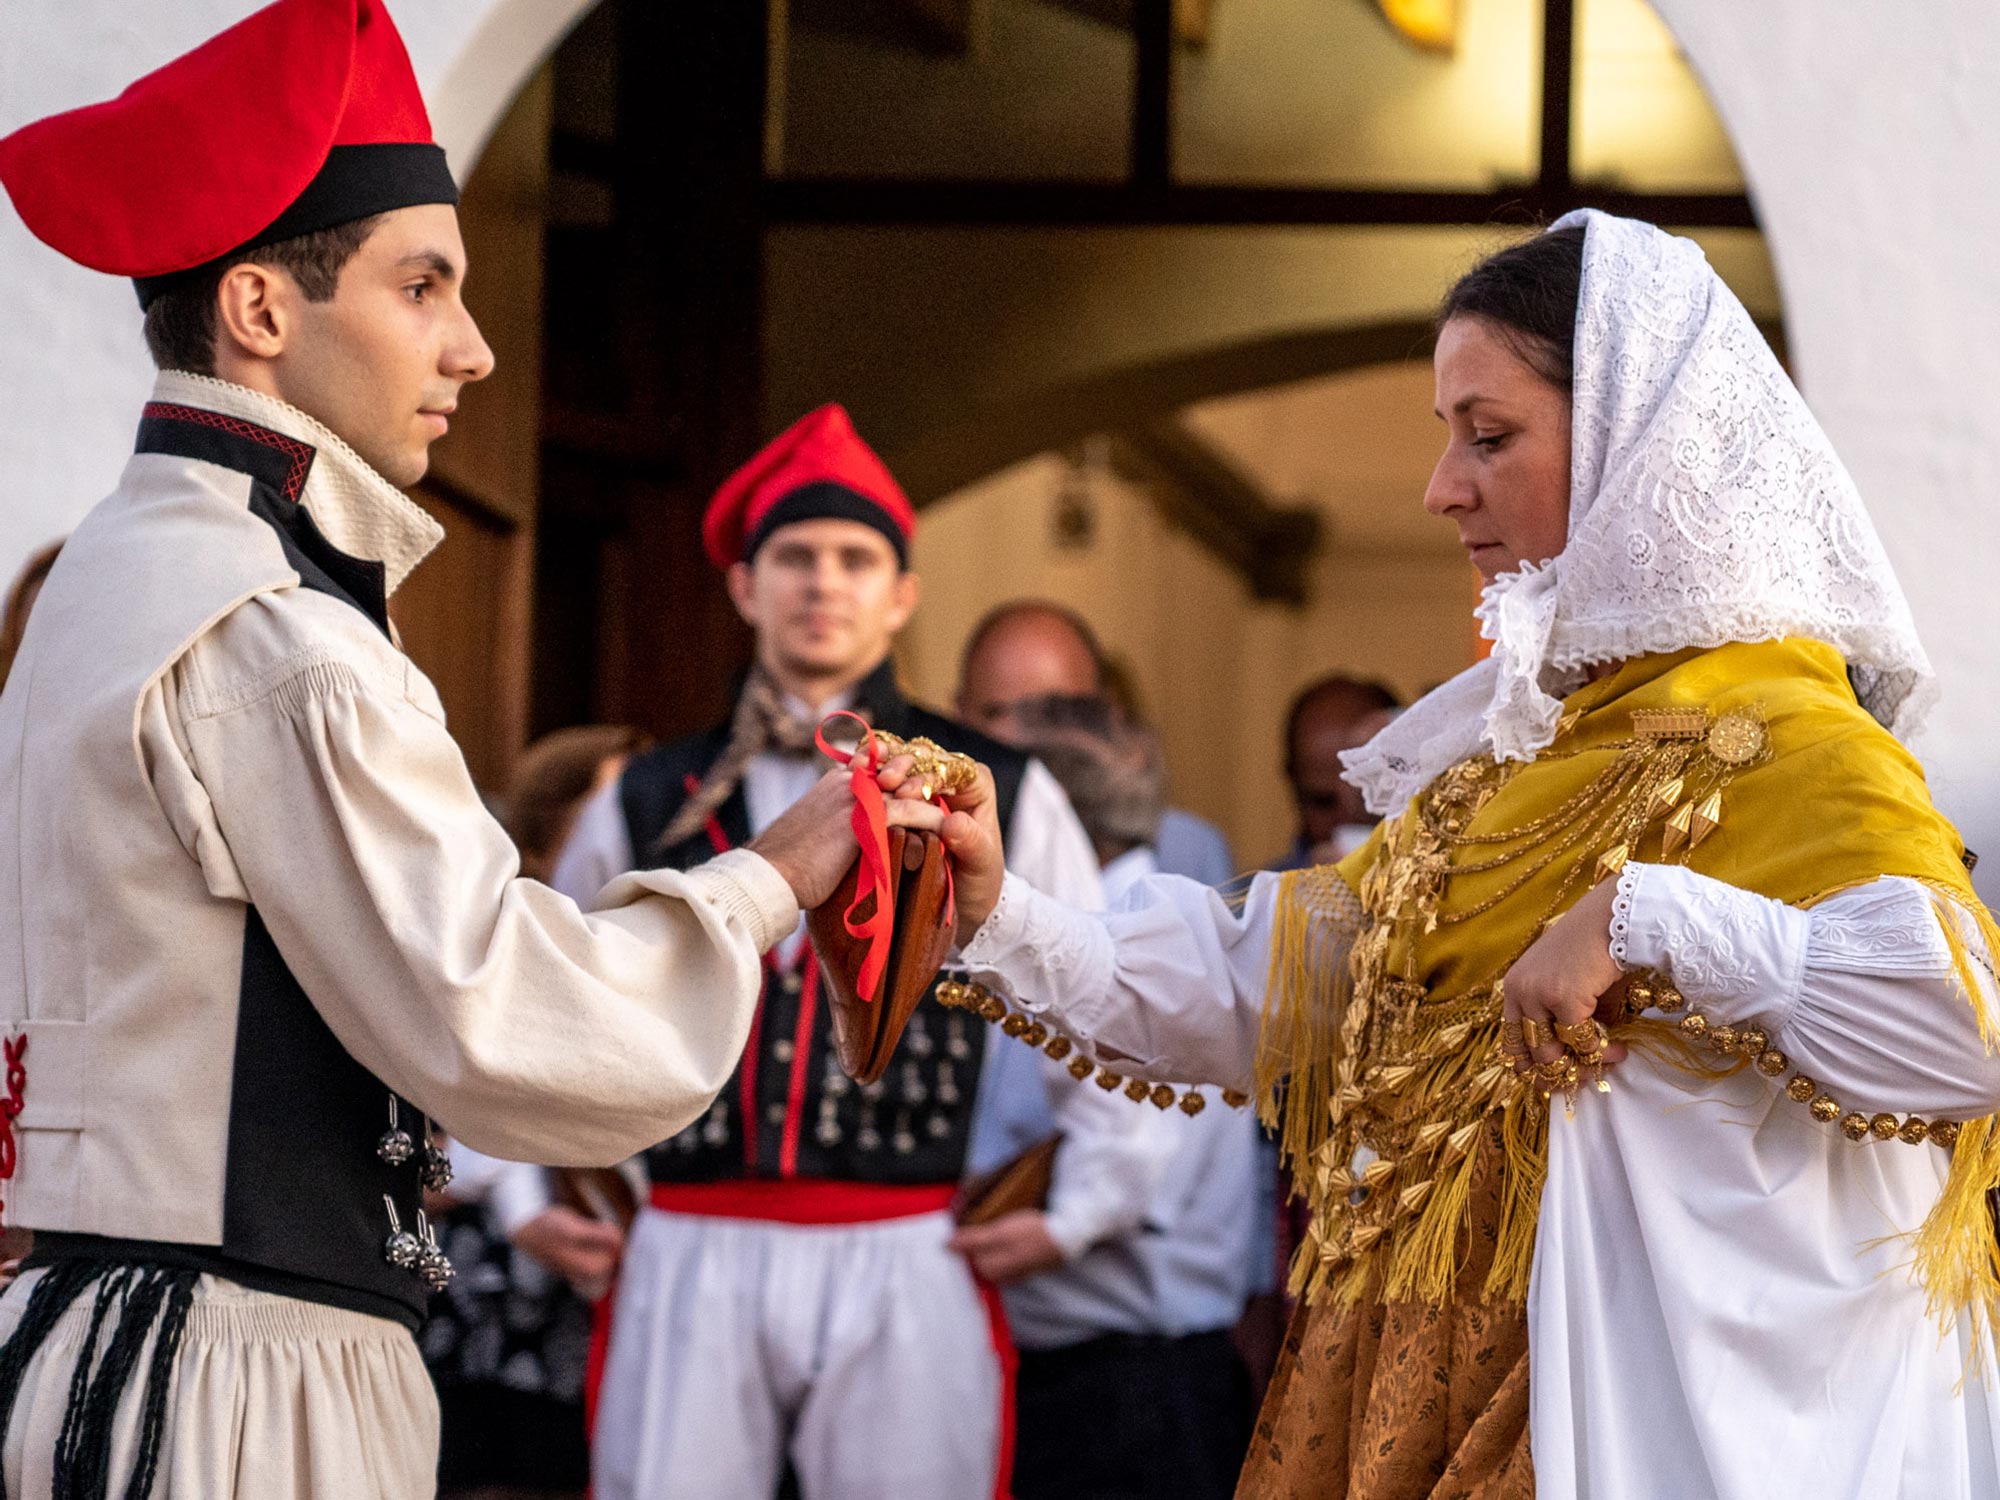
188 734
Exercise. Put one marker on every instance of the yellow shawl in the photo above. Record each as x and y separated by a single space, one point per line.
1752 763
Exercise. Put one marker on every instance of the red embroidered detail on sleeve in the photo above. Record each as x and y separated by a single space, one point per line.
16 1052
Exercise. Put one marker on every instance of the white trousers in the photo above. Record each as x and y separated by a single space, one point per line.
864 1352
272 1399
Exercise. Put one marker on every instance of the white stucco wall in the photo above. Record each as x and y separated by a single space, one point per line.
1867 130
73 369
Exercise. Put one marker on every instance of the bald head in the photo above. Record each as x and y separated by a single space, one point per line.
1028 649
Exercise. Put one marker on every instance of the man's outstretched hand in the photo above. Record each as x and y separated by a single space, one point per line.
971 836
813 845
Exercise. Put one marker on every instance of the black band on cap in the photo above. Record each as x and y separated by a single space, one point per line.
824 500
357 182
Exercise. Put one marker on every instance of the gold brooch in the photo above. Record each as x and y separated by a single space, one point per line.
1737 738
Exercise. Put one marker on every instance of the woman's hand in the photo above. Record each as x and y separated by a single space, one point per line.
1562 980
971 833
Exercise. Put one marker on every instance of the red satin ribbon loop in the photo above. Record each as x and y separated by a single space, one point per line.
871 831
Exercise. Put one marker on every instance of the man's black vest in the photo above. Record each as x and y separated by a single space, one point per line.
789 1111
303 1189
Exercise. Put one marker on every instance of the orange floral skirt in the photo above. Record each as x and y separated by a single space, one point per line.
1402 1400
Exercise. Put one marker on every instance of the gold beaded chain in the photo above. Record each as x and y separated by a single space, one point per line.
966 994
1753 1045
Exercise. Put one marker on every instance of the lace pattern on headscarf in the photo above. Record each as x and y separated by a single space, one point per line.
1706 506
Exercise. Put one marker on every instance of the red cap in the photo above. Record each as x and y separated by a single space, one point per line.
815 469
302 116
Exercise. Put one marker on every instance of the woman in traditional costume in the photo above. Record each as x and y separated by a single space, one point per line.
1666 825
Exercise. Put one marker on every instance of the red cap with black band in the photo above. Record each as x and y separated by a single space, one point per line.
300 117
817 468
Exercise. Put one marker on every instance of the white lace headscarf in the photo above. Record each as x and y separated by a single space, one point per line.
1706 506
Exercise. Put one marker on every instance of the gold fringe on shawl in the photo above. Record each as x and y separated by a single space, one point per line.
1957 1248
1318 921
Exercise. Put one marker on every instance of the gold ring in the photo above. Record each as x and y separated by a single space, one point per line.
1559 1072
1586 1038
1533 1033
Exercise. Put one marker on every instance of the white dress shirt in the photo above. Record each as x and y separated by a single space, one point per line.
1191 1263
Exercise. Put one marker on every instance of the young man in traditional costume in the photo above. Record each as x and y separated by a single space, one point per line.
1669 806
257 932
794 1289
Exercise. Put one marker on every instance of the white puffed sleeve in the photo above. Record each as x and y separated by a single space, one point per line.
1860 991
526 1027
1168 984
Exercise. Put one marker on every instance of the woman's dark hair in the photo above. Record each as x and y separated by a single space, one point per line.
181 321
1528 292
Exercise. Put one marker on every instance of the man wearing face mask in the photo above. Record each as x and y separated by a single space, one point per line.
1034 648
790 1284
1327 719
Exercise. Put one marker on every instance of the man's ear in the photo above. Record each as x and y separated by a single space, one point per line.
742 592
251 312
909 593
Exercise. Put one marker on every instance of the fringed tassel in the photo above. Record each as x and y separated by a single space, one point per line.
1957 1248
53 1293
1957 1254
1425 1257
1425 1262
1955 907
1305 999
144 1297
1666 1043
1524 1143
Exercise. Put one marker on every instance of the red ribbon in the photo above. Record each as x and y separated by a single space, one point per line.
871 831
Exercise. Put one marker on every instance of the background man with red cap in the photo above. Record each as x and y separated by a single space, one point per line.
792 1290
256 930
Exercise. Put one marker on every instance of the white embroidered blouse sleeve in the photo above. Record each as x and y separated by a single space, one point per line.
1168 985
1859 992
1112 1157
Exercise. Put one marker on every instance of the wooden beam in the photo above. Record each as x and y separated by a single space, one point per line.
1558 94
935 28
940 202
1192 18
1153 93
991 434
1223 508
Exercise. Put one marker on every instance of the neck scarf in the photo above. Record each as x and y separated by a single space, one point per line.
763 722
